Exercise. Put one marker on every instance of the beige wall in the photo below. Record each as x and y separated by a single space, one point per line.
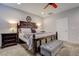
50 24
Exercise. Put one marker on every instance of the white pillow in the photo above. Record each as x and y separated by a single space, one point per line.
25 30
38 31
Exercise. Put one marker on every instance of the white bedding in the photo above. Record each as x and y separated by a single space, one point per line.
37 35
27 37
23 37
40 35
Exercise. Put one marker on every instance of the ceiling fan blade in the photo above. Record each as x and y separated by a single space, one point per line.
54 5
46 6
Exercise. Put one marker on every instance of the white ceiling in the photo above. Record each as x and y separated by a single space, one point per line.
37 8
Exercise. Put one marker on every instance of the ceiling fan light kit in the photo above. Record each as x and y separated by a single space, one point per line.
54 5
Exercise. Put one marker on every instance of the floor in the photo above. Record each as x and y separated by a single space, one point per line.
18 50
69 50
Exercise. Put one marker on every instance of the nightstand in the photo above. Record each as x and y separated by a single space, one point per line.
8 39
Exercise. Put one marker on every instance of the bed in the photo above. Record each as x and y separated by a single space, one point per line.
34 37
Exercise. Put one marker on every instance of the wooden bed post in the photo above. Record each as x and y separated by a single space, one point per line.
45 40
17 33
56 35
51 37
34 45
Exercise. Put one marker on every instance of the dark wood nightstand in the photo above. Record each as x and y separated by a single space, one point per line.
8 39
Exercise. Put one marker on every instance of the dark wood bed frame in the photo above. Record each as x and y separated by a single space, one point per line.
23 24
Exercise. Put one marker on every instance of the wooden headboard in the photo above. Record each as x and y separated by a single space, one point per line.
24 24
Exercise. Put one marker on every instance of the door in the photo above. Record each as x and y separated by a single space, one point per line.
62 29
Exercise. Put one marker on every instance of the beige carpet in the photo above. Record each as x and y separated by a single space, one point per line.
69 50
18 50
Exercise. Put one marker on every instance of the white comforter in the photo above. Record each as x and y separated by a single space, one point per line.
27 37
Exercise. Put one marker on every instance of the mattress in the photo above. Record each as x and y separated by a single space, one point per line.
40 35
37 35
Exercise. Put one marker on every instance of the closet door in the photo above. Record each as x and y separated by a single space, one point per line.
62 28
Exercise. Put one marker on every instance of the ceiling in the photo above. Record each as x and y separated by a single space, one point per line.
37 8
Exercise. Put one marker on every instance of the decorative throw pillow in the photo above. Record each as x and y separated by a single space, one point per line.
25 30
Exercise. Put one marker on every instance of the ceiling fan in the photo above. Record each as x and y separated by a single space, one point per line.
54 5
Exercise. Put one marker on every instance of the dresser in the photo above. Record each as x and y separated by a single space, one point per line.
8 39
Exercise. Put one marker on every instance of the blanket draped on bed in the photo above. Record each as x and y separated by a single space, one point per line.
29 40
